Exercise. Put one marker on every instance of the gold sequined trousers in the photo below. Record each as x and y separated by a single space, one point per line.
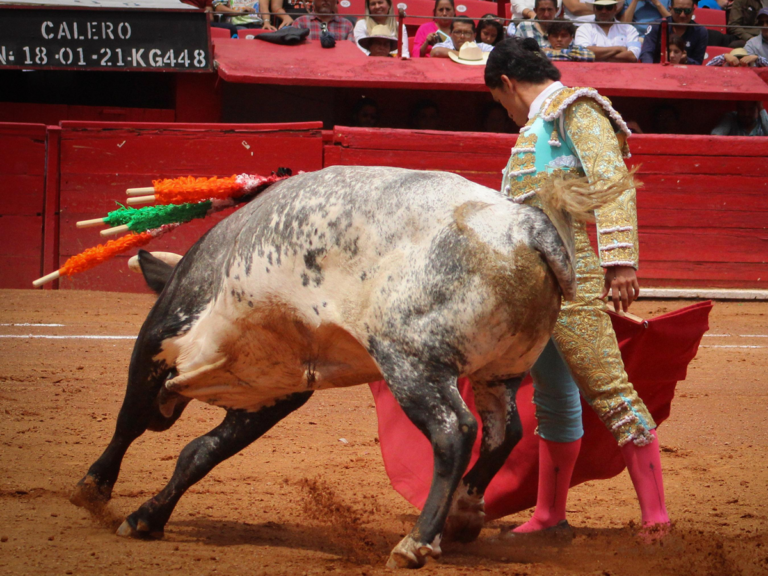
587 342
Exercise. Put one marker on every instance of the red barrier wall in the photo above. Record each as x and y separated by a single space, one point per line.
22 173
100 160
703 212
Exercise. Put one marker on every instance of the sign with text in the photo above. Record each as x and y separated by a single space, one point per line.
104 40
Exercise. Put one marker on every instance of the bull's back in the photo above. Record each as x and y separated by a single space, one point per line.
291 288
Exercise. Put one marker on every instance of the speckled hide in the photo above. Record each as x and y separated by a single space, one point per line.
336 278
302 287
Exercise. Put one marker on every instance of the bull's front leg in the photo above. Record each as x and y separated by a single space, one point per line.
427 392
139 412
502 430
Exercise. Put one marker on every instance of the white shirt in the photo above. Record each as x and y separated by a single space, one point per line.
361 31
539 100
618 35
519 5
449 44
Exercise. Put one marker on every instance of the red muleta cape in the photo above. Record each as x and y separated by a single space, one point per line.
656 354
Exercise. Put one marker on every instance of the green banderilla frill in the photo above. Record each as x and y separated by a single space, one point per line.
150 217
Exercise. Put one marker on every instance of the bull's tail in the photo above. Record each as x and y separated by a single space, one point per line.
580 198
558 253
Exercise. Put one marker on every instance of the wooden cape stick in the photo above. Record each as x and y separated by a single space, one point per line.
115 230
140 191
47 278
140 200
90 223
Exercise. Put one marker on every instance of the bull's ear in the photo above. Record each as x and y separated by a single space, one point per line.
155 271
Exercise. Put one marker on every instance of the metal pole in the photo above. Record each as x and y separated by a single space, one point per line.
664 41
400 16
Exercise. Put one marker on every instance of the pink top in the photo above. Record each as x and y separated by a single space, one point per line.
421 36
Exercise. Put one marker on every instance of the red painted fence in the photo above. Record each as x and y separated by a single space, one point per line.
22 190
703 210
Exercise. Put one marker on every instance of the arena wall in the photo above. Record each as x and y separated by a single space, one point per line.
703 209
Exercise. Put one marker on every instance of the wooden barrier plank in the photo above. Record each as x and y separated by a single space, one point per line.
21 193
477 142
22 173
704 245
674 217
100 160
214 152
713 188
21 239
703 165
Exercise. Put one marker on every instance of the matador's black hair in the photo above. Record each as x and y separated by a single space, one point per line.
519 59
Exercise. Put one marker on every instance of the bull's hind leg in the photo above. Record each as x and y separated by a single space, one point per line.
138 413
427 392
200 456
502 430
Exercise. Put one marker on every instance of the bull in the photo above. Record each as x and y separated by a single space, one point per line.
337 278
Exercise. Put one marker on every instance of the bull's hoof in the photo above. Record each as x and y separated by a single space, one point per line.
411 554
465 519
133 528
90 495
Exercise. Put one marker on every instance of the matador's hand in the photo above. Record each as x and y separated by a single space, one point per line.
621 282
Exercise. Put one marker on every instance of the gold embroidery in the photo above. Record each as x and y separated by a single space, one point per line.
521 161
584 333
589 129
526 140
554 139
586 339
529 183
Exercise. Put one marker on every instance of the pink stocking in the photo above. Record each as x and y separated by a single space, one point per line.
556 462
644 466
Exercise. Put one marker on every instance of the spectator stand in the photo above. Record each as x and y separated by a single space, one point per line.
712 19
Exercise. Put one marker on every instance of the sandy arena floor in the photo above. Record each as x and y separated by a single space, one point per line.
300 501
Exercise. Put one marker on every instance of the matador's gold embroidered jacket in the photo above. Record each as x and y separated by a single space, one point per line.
576 131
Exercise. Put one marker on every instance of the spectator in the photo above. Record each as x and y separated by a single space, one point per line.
380 42
283 13
325 17
439 30
758 46
545 10
744 13
749 119
738 57
610 40
578 11
523 9
695 37
677 53
237 15
462 30
365 114
379 13
642 11
425 116
489 31
561 34
715 4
